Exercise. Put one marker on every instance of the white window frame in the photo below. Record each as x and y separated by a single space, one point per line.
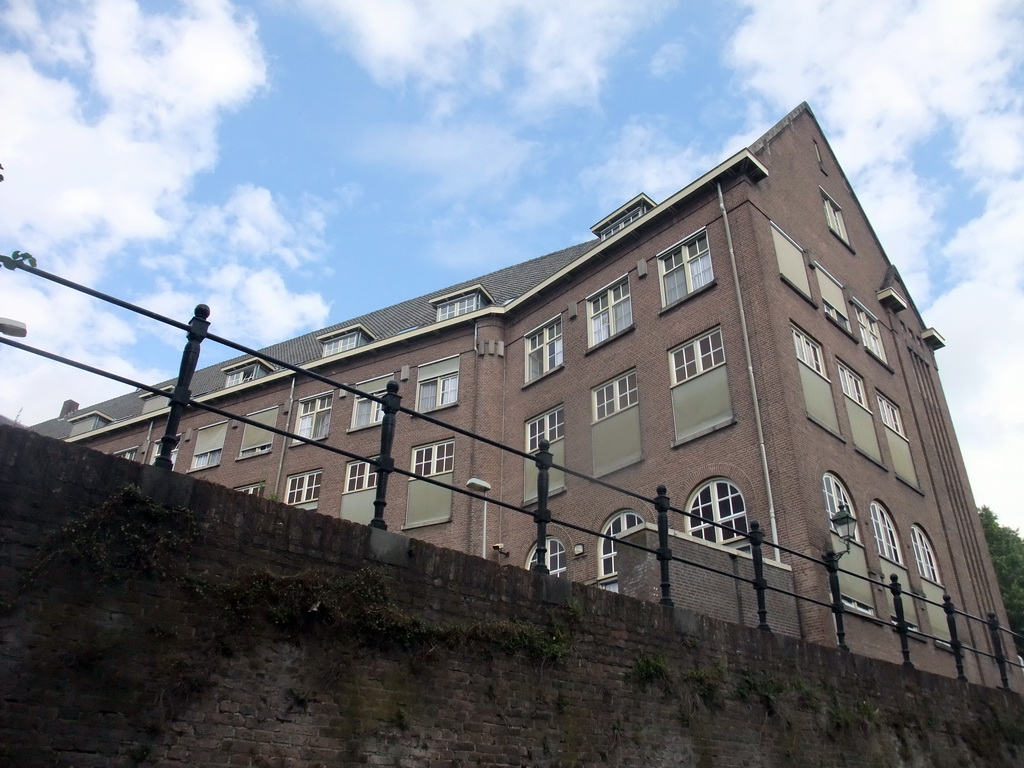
303 489
623 221
867 323
343 342
887 541
313 419
130 454
809 352
258 448
835 493
618 524
685 267
543 349
360 476
558 559
609 311
367 412
614 396
212 457
890 413
461 305
834 215
697 356
548 426
853 386
253 489
713 505
245 373
438 391
924 555
433 459
836 313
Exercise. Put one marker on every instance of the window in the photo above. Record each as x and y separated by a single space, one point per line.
249 372
610 311
257 440
885 533
696 357
853 386
315 416
304 490
717 501
924 554
550 427
544 350
209 443
438 384
832 297
891 415
869 334
129 453
87 422
437 459
616 526
834 216
460 306
623 221
156 452
360 476
365 411
615 396
685 268
556 557
254 489
836 495
343 342
808 352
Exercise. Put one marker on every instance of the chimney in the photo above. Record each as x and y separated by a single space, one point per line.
69 407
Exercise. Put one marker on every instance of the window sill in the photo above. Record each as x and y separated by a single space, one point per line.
827 428
438 408
909 485
879 360
842 240
877 462
544 375
786 281
254 455
703 433
202 469
687 297
362 427
625 331
295 443
425 523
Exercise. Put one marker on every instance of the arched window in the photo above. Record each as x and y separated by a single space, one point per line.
924 554
836 494
556 557
617 523
717 501
886 540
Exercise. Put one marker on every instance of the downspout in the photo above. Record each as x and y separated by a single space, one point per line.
750 372
284 440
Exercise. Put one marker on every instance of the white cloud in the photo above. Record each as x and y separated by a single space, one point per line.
542 53
643 159
668 60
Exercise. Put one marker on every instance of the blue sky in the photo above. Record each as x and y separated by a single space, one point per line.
294 164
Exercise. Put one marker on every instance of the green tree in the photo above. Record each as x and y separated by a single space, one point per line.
1007 550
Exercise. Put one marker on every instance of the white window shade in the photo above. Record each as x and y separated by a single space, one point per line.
438 368
211 438
254 438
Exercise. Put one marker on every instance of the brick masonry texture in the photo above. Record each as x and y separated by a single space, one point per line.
140 668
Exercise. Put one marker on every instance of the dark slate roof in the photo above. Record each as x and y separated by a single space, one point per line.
4 421
503 285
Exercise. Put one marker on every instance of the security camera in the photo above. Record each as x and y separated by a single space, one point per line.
498 547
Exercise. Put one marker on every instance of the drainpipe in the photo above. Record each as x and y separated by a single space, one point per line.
750 372
284 440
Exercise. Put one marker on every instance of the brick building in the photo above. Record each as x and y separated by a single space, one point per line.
746 342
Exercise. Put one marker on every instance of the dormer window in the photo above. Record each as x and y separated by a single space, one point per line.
88 421
622 217
344 340
462 303
249 370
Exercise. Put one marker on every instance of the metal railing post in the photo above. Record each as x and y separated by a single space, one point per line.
954 638
391 402
997 646
756 537
542 515
661 504
181 393
901 621
832 564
